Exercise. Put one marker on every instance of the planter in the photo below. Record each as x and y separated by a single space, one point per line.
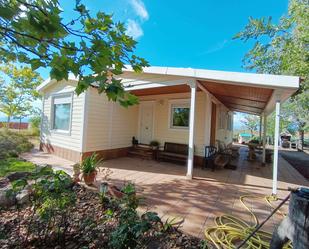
90 178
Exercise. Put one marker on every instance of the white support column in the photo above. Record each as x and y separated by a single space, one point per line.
276 148
264 138
192 84
260 129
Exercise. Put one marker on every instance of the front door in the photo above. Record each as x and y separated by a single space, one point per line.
146 122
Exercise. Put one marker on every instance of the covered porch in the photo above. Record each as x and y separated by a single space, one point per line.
225 92
209 194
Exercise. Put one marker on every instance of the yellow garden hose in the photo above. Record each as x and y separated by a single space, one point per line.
229 230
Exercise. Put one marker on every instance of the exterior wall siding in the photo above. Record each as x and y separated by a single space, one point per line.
109 125
163 132
73 140
104 126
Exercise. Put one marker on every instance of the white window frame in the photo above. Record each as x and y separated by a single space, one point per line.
61 95
177 103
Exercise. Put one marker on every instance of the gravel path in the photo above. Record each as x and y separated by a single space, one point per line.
299 160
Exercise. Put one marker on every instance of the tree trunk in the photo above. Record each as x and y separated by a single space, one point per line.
8 122
294 227
19 124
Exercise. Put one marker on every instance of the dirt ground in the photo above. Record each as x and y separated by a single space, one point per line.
299 160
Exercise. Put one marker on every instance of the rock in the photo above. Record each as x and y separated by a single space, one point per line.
6 200
179 240
18 175
4 182
115 192
43 165
23 197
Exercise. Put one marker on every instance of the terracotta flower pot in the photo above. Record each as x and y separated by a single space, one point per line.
90 178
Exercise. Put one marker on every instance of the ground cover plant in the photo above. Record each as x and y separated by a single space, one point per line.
63 214
11 145
9 165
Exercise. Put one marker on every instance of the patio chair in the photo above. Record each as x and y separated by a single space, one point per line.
234 149
223 149
224 156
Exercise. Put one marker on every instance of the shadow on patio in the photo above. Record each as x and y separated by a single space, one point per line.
209 194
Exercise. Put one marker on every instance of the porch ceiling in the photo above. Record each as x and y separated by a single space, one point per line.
239 97
162 90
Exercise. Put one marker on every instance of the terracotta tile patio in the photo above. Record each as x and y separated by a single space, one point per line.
209 194
40 158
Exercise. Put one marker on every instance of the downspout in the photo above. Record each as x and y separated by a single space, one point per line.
84 126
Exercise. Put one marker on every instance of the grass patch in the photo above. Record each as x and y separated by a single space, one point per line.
14 165
13 144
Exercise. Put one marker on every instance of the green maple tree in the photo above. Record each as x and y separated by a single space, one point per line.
283 48
18 90
92 47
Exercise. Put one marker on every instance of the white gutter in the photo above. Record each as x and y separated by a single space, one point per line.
253 79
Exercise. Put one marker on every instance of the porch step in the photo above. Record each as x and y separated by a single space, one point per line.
141 151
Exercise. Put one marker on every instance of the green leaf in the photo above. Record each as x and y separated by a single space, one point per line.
36 63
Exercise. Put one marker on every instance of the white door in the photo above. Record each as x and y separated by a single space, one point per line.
146 122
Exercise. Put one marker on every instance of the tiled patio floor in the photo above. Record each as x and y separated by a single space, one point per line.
209 194
40 158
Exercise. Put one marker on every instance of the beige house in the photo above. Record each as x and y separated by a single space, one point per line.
182 105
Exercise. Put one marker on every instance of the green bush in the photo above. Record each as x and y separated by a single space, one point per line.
12 144
52 203
132 227
35 123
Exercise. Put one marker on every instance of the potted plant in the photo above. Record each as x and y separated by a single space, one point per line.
154 144
89 168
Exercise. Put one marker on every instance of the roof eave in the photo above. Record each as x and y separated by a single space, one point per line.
48 82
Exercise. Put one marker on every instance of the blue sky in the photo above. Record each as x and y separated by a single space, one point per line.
196 33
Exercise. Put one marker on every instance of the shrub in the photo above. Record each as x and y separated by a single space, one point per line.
131 228
154 143
12 144
35 123
52 203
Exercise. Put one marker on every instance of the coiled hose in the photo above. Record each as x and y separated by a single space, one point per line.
229 230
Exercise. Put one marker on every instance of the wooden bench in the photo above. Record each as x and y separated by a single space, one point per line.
173 152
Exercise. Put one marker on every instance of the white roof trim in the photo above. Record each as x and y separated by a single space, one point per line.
253 79
46 83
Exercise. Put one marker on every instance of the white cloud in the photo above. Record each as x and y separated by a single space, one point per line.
217 47
140 9
134 29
